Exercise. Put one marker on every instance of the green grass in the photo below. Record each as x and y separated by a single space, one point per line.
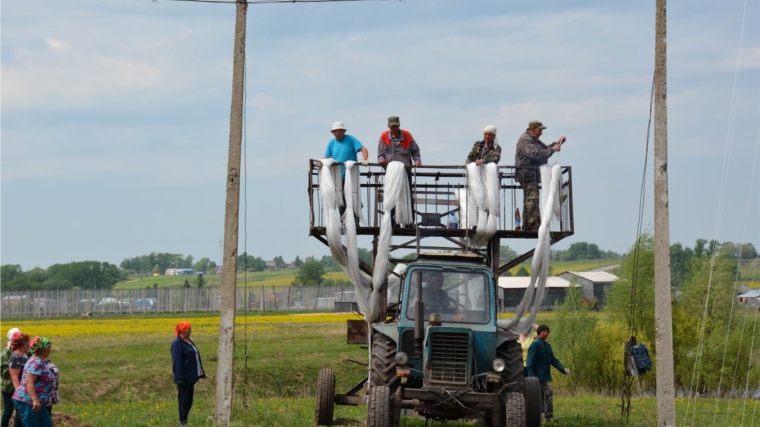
112 376
276 278
581 411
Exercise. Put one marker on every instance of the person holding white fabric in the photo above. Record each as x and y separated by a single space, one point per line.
486 151
530 154
344 147
398 145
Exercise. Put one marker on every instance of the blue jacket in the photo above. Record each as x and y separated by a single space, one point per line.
184 364
540 357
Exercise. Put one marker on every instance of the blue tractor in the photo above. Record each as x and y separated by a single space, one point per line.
441 353
436 350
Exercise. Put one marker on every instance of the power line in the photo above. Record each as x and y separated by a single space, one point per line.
277 1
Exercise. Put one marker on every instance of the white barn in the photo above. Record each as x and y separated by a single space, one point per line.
513 289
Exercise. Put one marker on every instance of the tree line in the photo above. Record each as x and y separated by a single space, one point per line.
82 275
708 328
159 262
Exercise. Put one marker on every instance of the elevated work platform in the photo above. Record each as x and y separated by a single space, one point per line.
435 191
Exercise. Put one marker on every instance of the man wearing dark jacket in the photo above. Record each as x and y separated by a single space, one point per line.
530 154
540 359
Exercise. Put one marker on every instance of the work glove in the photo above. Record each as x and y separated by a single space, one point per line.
567 371
365 162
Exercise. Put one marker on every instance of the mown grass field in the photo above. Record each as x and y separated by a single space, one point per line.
276 278
117 372
749 273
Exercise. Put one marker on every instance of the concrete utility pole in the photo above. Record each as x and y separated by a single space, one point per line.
231 221
666 410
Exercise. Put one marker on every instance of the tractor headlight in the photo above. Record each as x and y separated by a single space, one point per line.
401 358
498 365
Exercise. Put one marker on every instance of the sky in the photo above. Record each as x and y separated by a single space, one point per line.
114 114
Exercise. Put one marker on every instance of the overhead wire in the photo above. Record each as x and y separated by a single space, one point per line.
757 310
625 395
736 283
640 221
285 168
749 359
279 1
245 231
696 370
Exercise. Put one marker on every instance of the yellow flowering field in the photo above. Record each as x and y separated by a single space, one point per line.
164 326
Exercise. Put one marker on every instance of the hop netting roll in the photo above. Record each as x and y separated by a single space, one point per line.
551 179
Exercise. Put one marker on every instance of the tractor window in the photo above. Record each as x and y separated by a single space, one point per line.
457 296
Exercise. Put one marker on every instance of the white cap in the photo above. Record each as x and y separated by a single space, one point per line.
12 331
338 126
490 128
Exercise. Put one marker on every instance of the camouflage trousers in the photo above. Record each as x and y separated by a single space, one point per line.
531 206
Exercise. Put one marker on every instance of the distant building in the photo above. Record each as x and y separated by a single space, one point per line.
179 272
513 289
594 283
751 298
271 265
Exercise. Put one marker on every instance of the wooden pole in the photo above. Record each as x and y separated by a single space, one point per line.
666 411
231 220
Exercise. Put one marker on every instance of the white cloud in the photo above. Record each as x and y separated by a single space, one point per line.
58 46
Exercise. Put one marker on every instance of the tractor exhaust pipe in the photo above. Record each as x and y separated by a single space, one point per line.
419 315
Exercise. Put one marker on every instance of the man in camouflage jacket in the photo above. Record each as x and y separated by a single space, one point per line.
532 153
486 151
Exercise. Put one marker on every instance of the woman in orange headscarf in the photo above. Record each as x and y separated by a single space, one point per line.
187 367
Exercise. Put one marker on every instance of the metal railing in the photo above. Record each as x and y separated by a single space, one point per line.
435 191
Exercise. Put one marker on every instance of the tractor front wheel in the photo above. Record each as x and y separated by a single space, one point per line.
515 410
379 407
325 397
383 361
532 402
514 374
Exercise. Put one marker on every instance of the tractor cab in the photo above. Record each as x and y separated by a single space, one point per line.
458 314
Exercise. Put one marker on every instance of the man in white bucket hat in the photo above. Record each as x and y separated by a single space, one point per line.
344 147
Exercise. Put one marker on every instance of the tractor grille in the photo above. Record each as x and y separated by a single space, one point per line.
449 357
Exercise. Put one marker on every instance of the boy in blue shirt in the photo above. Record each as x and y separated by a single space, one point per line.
344 147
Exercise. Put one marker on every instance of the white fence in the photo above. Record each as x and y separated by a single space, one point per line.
69 303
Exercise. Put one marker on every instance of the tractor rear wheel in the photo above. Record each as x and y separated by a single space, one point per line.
515 410
514 374
379 407
325 397
532 402
383 361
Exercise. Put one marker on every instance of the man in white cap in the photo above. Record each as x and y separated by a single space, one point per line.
486 151
344 147
7 383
